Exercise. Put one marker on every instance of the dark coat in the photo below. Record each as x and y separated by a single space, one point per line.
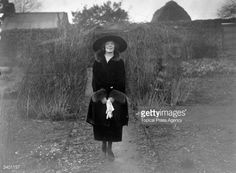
109 76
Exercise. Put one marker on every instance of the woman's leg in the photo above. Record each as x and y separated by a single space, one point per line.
109 151
104 146
109 145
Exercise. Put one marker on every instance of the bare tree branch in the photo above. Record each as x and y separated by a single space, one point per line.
108 12
228 9
26 5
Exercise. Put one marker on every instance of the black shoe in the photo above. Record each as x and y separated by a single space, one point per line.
111 156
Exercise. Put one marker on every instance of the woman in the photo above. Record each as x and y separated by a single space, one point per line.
108 108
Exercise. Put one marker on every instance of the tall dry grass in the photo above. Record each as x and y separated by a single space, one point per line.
56 73
153 64
54 81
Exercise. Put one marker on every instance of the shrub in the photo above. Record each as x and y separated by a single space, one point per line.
206 66
202 50
153 70
54 81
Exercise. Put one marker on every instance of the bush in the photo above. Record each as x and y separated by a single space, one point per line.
153 60
54 82
202 50
18 44
153 70
207 66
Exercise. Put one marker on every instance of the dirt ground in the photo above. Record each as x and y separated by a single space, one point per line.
204 142
206 139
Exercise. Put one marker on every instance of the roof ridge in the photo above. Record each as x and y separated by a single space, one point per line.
40 13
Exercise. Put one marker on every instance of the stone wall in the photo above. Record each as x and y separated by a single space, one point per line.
16 44
201 38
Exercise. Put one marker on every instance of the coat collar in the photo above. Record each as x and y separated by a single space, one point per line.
100 57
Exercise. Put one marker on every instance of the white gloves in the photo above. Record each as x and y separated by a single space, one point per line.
110 108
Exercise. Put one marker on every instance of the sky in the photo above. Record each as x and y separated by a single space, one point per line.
139 10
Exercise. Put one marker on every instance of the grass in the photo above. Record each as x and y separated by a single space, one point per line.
53 86
205 140
43 145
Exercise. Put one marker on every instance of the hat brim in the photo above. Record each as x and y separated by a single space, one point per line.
122 45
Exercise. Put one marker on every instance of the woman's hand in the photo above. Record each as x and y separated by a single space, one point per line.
104 100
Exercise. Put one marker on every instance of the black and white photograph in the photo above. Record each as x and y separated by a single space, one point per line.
118 86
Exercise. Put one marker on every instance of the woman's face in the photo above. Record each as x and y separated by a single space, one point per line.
109 46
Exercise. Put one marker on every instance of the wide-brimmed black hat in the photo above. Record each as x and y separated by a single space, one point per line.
121 43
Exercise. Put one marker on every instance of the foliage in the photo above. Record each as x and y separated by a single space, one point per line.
153 73
207 66
100 15
202 39
54 83
23 6
201 49
154 59
18 45
228 9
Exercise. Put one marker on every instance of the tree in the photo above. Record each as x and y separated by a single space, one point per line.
228 9
100 15
24 6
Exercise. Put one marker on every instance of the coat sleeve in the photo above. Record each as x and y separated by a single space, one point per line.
120 79
97 79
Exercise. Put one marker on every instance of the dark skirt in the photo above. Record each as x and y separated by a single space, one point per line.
111 133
